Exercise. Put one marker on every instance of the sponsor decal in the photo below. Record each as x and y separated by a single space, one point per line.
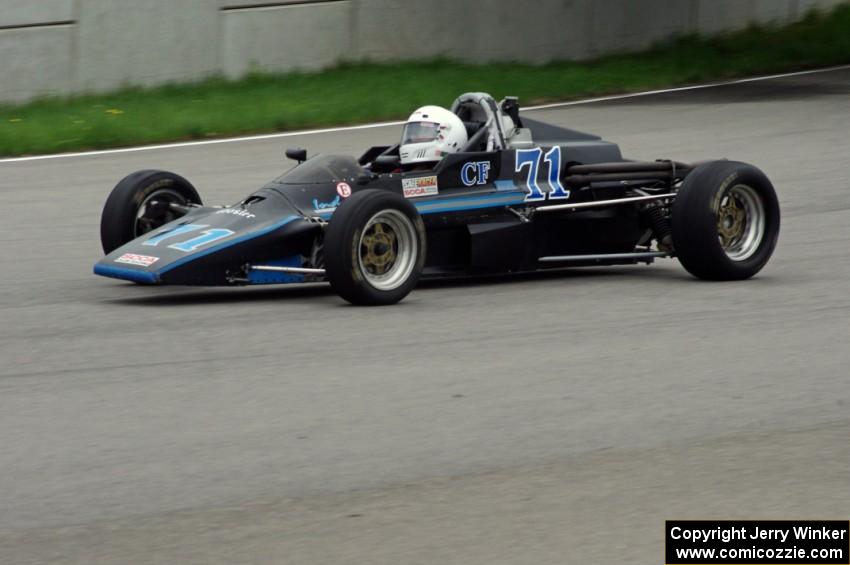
325 206
140 260
473 173
343 189
420 186
237 212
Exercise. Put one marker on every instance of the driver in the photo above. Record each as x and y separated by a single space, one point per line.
430 134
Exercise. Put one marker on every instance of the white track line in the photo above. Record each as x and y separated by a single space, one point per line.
683 88
397 123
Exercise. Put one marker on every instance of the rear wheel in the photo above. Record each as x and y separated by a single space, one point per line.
142 202
374 248
725 221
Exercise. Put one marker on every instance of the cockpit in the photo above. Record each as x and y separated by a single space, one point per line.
489 127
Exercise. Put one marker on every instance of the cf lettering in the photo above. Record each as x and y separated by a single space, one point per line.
475 173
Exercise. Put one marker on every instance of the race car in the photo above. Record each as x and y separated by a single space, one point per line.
519 196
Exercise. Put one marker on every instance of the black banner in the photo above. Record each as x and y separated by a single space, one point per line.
762 542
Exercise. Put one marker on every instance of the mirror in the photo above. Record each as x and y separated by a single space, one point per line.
297 154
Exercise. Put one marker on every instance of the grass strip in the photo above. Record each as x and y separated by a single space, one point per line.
353 93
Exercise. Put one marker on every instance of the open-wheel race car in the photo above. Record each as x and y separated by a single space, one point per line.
519 195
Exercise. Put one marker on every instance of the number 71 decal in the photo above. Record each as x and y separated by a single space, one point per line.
205 238
531 158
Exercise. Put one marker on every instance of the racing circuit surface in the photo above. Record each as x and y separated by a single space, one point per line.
555 418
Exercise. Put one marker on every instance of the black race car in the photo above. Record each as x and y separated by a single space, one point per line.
521 196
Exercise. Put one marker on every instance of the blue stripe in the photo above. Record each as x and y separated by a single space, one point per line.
505 184
470 203
459 204
126 274
226 244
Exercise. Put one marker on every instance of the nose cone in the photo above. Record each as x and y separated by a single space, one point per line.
210 246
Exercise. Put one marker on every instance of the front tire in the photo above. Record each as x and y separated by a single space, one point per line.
725 221
140 203
374 248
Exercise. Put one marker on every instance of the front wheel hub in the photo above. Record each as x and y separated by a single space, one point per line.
387 249
156 210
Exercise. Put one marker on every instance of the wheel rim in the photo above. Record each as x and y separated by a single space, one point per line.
149 217
740 222
387 249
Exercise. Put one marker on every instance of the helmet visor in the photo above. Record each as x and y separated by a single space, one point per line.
419 132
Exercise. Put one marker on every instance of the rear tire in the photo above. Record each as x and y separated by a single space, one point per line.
725 221
374 248
128 212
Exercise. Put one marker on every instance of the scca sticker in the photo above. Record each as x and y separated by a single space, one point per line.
420 186
140 260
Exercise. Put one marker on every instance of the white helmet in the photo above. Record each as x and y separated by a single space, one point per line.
430 133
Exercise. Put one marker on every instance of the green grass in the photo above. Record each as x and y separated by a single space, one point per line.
359 92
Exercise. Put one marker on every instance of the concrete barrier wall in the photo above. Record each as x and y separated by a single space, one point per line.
57 47
285 37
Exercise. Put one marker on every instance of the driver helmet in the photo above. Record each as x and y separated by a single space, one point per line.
431 132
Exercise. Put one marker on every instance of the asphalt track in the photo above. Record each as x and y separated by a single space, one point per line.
557 418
